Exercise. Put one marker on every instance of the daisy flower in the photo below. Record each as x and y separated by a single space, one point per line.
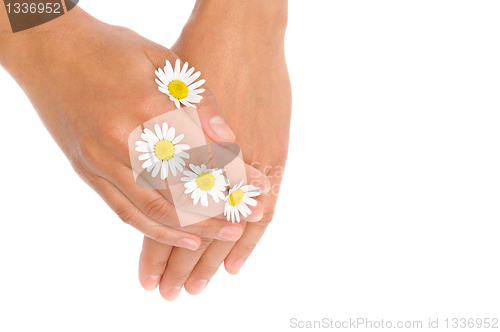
162 150
204 182
178 84
238 200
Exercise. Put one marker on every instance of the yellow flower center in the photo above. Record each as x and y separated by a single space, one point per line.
178 89
236 197
164 150
205 181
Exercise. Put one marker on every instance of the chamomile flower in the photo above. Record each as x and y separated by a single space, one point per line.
162 150
178 84
238 200
202 182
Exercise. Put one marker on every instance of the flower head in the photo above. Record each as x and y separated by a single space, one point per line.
238 200
202 182
178 84
162 150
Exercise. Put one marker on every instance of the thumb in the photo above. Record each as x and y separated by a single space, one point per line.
212 122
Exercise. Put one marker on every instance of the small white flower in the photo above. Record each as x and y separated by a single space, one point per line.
204 182
162 150
178 84
238 200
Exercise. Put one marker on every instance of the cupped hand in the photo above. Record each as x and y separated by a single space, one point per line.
245 65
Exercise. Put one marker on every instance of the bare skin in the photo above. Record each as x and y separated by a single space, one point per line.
92 83
240 50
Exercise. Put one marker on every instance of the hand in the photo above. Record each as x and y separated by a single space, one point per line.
241 54
92 84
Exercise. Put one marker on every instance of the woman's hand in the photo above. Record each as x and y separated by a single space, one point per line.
240 49
92 84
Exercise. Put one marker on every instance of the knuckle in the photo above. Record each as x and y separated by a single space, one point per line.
89 152
162 235
128 215
266 219
115 137
209 271
178 277
159 209
155 264
204 244
248 247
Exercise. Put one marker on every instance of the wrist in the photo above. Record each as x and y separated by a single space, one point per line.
31 46
263 18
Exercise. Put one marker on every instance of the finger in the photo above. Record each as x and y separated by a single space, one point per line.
207 266
244 247
180 264
152 262
156 207
212 122
130 215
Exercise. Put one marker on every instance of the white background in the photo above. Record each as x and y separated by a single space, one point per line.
389 207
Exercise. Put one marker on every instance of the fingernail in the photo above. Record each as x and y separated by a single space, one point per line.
220 127
151 283
229 233
198 286
236 267
187 243
173 293
255 215
264 188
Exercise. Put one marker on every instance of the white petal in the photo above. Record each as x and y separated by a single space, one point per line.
158 132
183 71
165 91
181 147
250 201
177 69
196 84
186 103
152 137
170 134
157 168
172 168
204 198
193 78
164 170
146 156
159 73
177 104
164 129
196 196
178 139
169 73
195 93
188 73
143 149
190 189
147 163
161 84
190 174
179 160
214 195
